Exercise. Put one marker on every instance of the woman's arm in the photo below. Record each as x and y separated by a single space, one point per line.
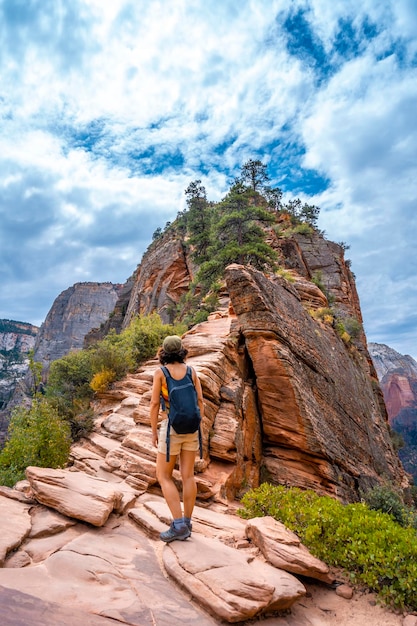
154 406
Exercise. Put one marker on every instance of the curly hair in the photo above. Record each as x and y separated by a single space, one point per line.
172 357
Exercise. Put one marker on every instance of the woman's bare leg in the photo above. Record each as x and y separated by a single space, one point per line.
164 471
189 486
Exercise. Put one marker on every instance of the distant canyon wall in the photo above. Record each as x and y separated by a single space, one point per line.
74 313
397 374
17 339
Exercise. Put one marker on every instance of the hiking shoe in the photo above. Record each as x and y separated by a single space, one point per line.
189 525
181 533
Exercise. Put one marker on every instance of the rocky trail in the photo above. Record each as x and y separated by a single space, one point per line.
81 546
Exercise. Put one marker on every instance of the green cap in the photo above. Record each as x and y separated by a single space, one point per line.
172 343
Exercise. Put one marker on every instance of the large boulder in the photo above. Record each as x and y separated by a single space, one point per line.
226 582
74 494
283 549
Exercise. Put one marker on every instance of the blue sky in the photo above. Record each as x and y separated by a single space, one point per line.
109 109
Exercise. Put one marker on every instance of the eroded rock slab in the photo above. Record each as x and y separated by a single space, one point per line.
211 523
46 522
226 582
111 572
15 525
283 549
74 494
21 609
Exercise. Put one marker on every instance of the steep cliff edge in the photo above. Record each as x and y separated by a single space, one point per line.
162 278
321 419
159 281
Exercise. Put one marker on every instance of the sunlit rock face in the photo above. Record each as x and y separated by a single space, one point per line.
163 276
322 425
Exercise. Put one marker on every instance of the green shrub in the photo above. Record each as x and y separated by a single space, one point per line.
342 332
353 327
317 279
387 500
69 391
82 423
369 544
324 314
74 378
285 274
36 436
69 378
303 229
111 353
144 335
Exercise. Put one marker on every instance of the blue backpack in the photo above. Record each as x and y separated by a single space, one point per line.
184 413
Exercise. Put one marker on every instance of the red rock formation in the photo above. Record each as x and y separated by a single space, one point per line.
398 377
161 279
321 421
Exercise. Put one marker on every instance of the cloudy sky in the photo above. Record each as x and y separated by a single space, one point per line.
110 108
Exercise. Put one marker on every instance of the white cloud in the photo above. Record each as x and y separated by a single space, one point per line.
362 134
108 110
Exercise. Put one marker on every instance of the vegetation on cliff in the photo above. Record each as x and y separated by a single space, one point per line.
74 379
234 230
370 544
10 326
60 413
37 435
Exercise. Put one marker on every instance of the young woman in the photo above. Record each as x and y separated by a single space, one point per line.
172 355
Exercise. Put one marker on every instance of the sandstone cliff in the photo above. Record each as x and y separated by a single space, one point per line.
398 378
321 420
286 400
75 312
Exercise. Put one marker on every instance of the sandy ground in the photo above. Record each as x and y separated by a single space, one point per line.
323 607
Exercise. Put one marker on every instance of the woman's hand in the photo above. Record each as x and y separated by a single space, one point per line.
155 439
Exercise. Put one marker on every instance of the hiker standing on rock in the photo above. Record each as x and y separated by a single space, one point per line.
177 389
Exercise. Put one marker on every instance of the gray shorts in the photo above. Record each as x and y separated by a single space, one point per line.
177 442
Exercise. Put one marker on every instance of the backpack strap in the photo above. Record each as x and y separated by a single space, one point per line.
200 438
167 375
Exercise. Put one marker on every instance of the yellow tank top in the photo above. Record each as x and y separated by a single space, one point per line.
165 394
